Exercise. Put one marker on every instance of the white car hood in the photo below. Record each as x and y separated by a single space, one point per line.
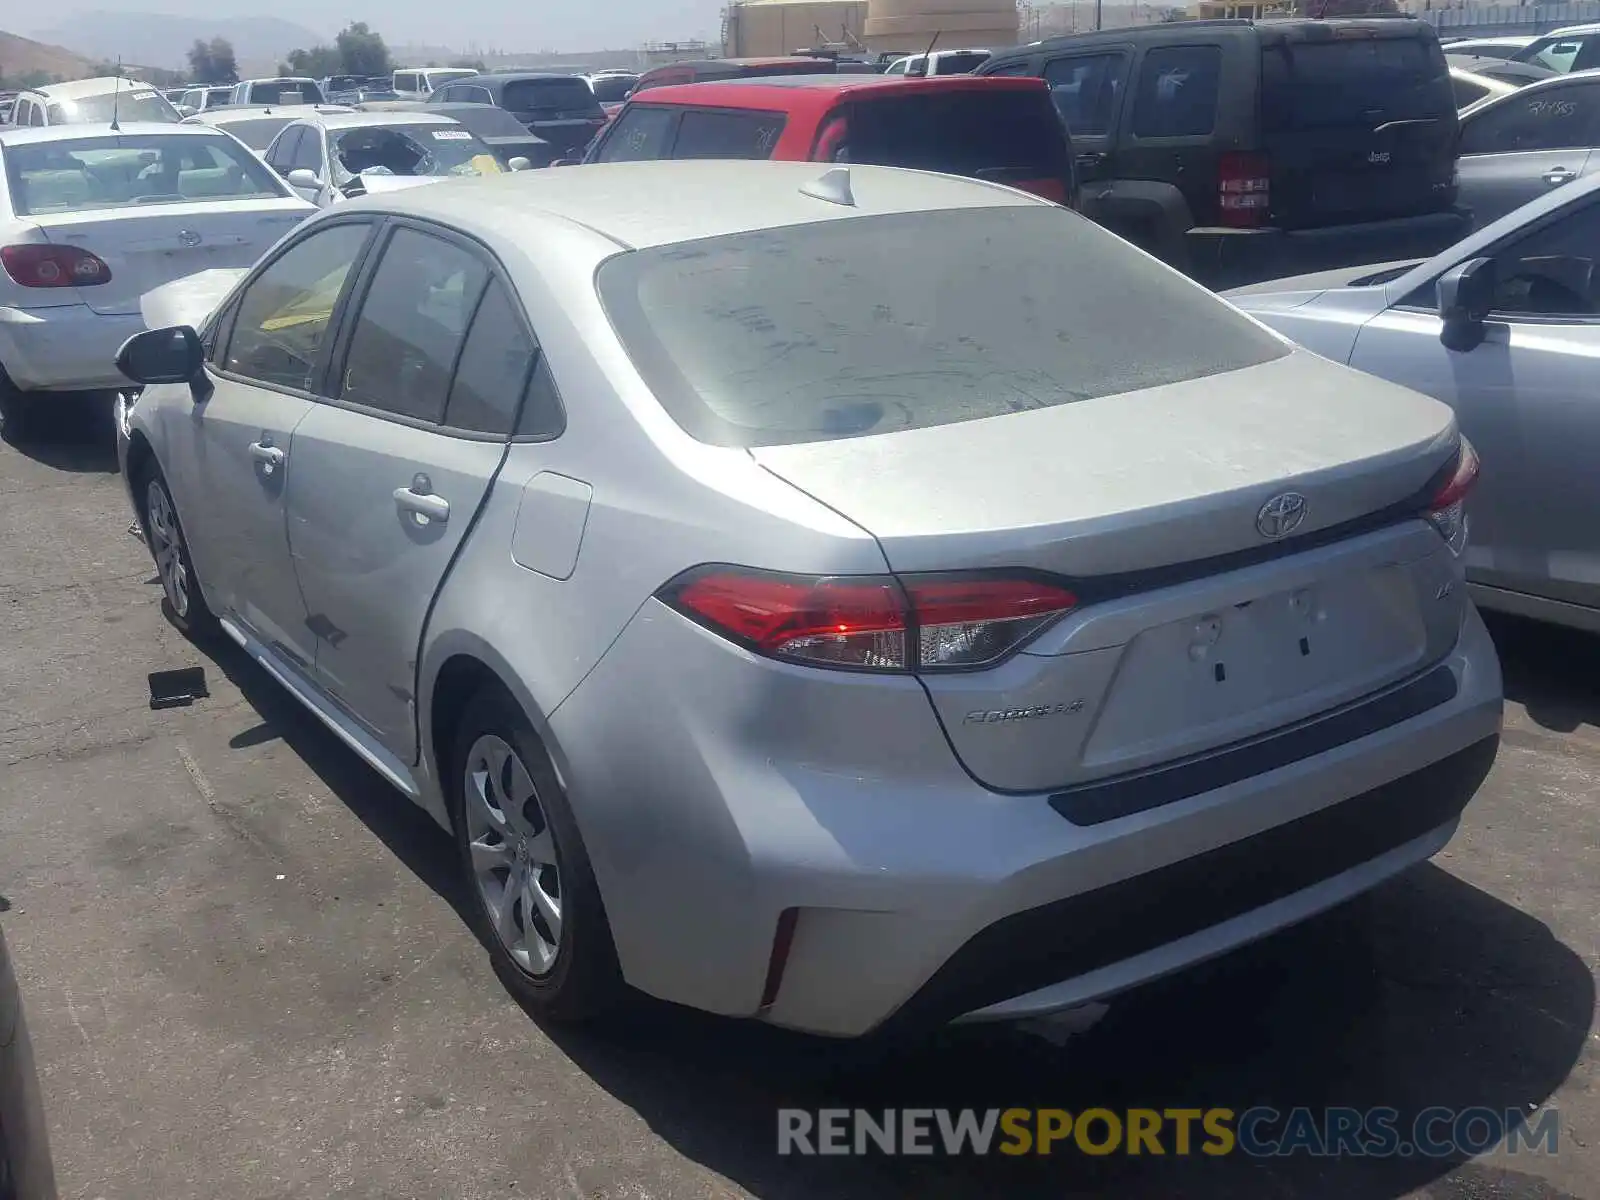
374 184
188 301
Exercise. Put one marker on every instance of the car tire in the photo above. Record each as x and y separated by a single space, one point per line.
531 889
16 407
183 602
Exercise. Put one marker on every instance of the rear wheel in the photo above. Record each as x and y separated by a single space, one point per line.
15 409
535 896
184 605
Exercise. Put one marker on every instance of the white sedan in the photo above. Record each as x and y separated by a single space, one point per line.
91 218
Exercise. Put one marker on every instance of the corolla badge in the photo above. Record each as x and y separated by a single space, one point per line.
1033 712
1281 515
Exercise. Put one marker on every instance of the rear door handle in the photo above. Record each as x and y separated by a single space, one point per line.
1556 176
268 455
419 500
1090 159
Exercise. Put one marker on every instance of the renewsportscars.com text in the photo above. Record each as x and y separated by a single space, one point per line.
1257 1132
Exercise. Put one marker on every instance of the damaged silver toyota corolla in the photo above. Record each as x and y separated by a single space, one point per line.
660 528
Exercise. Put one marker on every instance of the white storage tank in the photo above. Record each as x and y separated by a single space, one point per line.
909 25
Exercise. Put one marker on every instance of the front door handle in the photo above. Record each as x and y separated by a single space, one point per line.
268 455
1556 176
1091 159
421 503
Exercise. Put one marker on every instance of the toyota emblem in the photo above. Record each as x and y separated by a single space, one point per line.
188 237
1281 515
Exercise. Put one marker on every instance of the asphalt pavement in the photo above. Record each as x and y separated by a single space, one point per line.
249 978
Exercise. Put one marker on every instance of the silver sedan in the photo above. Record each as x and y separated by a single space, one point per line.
1505 328
824 596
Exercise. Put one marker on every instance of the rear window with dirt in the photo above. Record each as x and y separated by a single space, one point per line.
1353 81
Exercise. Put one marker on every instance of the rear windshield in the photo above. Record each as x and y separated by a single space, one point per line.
612 89
550 96
959 63
875 324
981 132
125 106
412 150
287 91
118 172
257 135
1357 81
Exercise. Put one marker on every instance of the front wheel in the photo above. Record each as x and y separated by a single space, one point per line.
185 606
534 892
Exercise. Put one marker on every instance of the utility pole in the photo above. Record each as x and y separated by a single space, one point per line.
1097 6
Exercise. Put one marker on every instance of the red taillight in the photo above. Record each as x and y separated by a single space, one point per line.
835 136
1049 189
1447 509
871 622
46 266
1244 189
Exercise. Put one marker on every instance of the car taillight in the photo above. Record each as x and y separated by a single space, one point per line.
1447 508
46 266
1244 189
949 622
835 136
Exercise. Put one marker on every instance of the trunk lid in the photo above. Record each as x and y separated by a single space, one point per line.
1359 121
148 247
1148 504
190 300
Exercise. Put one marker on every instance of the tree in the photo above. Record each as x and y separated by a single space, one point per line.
362 52
213 61
319 62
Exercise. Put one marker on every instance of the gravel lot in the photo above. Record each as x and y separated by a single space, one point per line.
248 976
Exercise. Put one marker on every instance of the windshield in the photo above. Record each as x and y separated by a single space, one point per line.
959 62
1000 135
611 89
116 172
422 149
550 97
875 324
285 91
256 134
126 105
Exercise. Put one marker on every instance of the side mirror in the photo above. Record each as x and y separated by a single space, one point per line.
520 163
304 177
172 355
1466 296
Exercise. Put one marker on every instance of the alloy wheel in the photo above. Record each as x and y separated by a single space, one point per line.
166 545
515 865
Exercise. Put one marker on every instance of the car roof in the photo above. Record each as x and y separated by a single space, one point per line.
279 79
518 76
1569 31
246 112
777 91
1276 30
360 120
23 135
93 87
641 204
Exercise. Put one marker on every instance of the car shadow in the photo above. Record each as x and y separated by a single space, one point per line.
1428 992
72 431
1554 673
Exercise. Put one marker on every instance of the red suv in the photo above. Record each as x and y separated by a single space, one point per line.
1005 130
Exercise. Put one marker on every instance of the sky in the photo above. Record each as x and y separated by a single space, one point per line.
491 24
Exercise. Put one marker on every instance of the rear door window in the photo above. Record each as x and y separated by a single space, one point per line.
1467 92
1085 90
1177 92
711 134
642 132
1559 118
1353 83
493 370
411 326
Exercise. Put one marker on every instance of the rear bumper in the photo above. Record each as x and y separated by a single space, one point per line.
66 348
750 788
1235 257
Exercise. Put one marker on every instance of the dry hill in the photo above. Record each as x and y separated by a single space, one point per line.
21 57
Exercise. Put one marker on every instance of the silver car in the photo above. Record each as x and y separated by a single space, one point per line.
831 598
1505 328
25 1171
1517 147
